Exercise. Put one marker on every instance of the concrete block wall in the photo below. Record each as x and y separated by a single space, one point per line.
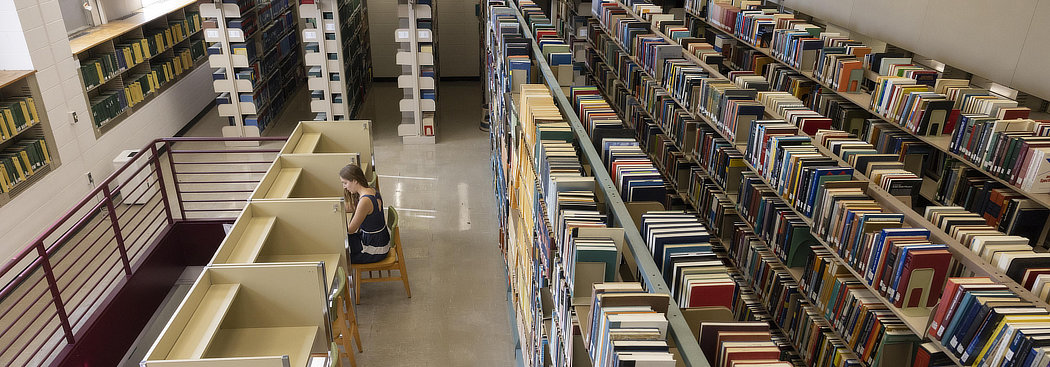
44 33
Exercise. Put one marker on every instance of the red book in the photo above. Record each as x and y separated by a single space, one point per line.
810 125
732 354
953 119
950 288
705 295
936 259
922 358
1014 113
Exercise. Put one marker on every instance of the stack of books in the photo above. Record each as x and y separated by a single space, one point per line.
21 160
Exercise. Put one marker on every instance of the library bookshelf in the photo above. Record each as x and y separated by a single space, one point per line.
529 302
917 319
863 99
417 55
125 63
254 49
27 146
337 56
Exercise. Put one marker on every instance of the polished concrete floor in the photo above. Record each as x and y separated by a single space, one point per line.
457 315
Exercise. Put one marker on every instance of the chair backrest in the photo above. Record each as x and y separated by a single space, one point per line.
391 218
373 180
334 360
340 287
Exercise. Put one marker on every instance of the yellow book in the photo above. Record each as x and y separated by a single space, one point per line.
32 109
136 91
168 72
5 183
168 40
43 148
18 168
25 159
98 68
137 49
178 65
127 96
152 77
5 133
25 112
144 44
10 117
128 56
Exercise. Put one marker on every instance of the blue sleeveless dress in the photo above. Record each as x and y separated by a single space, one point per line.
372 242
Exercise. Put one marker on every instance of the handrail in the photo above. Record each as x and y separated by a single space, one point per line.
81 264
679 329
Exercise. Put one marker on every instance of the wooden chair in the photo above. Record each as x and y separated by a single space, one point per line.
344 320
395 260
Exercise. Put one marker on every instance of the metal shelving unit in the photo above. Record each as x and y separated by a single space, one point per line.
417 57
258 66
336 75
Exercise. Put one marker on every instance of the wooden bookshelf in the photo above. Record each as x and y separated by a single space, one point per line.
15 85
122 76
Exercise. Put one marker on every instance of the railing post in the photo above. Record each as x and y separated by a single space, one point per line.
160 180
175 179
108 199
56 295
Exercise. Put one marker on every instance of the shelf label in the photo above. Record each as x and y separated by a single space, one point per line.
329 26
403 34
211 33
421 34
310 35
235 33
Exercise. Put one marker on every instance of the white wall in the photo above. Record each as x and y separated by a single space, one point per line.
458 37
14 53
1005 41
80 152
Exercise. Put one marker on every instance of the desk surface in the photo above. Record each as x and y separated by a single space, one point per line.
331 262
295 341
252 240
198 333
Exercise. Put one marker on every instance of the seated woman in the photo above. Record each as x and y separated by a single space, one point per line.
368 236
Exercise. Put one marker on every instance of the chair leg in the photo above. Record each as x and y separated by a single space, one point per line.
352 317
404 279
342 333
357 338
351 357
357 286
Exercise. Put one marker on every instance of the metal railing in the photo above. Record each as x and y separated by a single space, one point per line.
57 284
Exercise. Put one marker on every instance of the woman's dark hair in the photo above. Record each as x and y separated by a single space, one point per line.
353 172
